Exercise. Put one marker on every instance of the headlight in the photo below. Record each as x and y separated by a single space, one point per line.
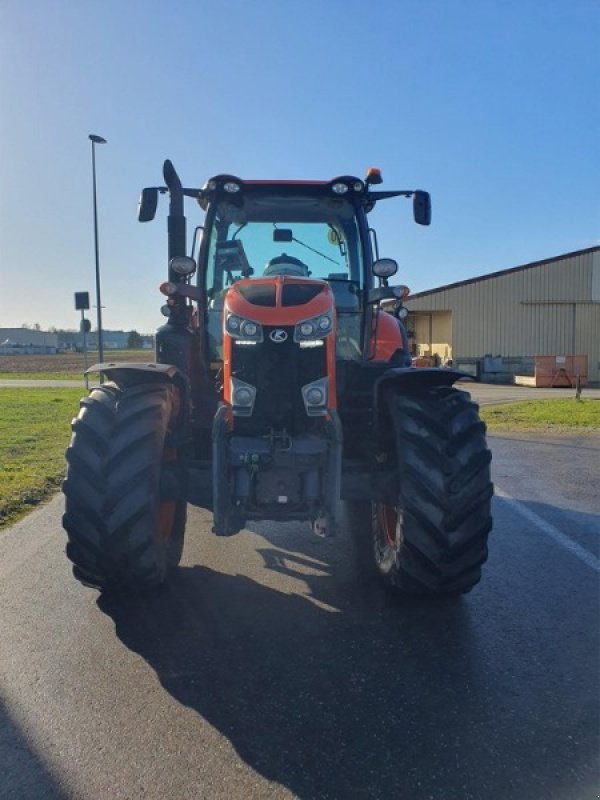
241 328
243 396
315 397
314 328
340 188
182 265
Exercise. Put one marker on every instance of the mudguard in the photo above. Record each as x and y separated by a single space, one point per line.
133 373
410 380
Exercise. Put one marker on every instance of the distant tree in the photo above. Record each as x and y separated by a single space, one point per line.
37 326
134 340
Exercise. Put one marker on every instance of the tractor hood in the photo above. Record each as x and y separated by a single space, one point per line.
279 300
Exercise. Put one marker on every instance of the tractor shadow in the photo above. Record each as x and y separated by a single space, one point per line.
337 691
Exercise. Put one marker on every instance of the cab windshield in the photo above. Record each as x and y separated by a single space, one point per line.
258 235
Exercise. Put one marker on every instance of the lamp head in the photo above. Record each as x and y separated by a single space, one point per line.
96 139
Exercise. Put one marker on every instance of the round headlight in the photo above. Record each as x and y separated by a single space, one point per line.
358 187
242 397
249 328
165 310
315 396
182 265
233 323
403 312
324 323
307 329
231 187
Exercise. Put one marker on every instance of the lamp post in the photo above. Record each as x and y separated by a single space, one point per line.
97 140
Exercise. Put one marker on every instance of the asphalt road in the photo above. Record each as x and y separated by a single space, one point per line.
269 669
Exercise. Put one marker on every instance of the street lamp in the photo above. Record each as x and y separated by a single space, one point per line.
97 140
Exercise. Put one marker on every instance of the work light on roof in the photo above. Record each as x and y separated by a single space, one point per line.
339 188
231 187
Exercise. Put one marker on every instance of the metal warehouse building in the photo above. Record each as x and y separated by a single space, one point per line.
497 324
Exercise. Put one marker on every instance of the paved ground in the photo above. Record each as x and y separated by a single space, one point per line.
268 669
51 384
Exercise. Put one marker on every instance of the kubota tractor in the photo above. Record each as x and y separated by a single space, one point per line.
281 391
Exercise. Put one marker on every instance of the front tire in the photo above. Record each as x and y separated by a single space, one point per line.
123 527
431 538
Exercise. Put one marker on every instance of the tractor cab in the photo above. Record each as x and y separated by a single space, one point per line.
257 231
316 230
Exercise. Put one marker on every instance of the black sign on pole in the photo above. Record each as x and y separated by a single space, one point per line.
82 300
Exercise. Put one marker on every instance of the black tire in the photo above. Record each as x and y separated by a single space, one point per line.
433 538
120 532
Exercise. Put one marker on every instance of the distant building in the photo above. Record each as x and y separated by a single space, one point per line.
495 325
111 340
27 341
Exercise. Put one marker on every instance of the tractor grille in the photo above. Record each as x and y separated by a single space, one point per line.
278 370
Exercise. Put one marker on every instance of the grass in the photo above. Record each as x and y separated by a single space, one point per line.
34 432
560 416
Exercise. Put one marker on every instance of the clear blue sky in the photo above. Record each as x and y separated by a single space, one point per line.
491 106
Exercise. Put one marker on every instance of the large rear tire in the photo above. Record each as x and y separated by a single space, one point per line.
123 528
432 539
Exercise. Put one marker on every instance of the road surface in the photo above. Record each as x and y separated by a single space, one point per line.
268 669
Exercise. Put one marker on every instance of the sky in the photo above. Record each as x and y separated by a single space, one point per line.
493 107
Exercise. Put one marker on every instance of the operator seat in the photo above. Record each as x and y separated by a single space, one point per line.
286 265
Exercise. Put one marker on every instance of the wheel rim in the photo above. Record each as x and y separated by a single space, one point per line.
385 522
388 522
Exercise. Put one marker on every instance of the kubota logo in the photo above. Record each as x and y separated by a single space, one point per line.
278 336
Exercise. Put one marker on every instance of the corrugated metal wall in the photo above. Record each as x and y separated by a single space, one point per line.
541 309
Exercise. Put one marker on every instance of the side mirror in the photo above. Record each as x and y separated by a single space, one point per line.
422 207
385 267
147 204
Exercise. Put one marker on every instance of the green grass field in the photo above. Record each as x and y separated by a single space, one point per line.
34 432
557 416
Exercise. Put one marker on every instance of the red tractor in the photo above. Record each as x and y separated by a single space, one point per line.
282 391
